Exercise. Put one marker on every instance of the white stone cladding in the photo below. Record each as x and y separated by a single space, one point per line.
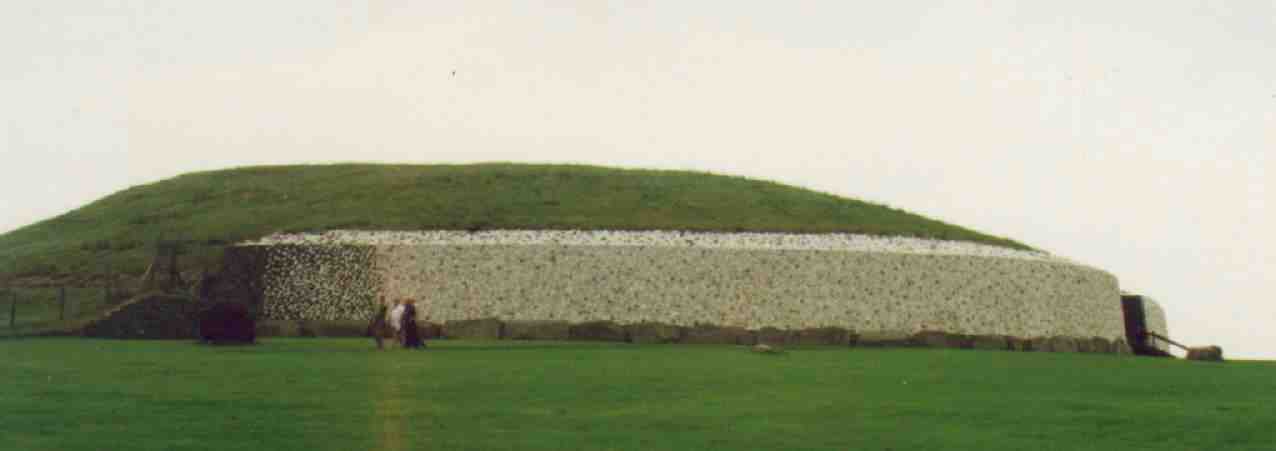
750 280
320 282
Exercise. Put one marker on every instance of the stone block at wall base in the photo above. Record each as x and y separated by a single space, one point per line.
991 342
598 331
277 328
1042 344
885 338
830 336
653 333
262 329
1206 354
707 334
429 331
537 330
1059 344
936 339
306 329
1121 347
776 337
474 329
1093 345
1021 344
1083 345
1098 345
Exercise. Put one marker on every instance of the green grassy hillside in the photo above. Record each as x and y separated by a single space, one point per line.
341 394
221 207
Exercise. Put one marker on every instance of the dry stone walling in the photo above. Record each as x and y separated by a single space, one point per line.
868 285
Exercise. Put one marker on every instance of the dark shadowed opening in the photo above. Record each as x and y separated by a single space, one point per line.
1136 328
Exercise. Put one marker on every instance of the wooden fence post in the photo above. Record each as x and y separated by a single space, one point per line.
62 304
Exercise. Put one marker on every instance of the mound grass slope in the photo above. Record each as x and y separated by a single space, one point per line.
341 394
220 207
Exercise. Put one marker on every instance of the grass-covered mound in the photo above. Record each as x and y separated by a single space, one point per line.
220 207
340 394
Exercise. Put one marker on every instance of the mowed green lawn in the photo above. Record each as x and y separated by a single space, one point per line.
339 394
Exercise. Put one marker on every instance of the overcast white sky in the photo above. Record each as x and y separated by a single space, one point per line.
1133 136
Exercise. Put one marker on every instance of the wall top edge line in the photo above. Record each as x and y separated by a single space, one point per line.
745 241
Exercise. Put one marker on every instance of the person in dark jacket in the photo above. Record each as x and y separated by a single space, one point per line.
377 326
411 336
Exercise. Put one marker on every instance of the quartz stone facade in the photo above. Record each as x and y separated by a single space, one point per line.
747 280
332 282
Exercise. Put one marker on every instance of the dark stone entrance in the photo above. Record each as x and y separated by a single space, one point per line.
1136 328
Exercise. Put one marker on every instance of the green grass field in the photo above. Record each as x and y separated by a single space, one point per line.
116 233
339 394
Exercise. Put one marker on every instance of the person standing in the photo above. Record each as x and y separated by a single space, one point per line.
396 320
411 336
377 326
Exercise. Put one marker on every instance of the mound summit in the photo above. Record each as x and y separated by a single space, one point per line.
216 208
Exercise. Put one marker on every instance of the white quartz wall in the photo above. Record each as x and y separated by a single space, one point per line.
320 282
746 280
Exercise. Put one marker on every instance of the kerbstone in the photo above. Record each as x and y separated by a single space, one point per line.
828 336
1063 344
886 338
937 339
429 330
1206 354
598 331
1099 345
776 337
1022 344
991 342
477 329
1122 348
718 335
537 330
653 333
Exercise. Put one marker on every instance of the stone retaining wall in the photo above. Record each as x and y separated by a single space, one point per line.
747 281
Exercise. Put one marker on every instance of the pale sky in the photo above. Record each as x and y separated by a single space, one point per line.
1133 136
